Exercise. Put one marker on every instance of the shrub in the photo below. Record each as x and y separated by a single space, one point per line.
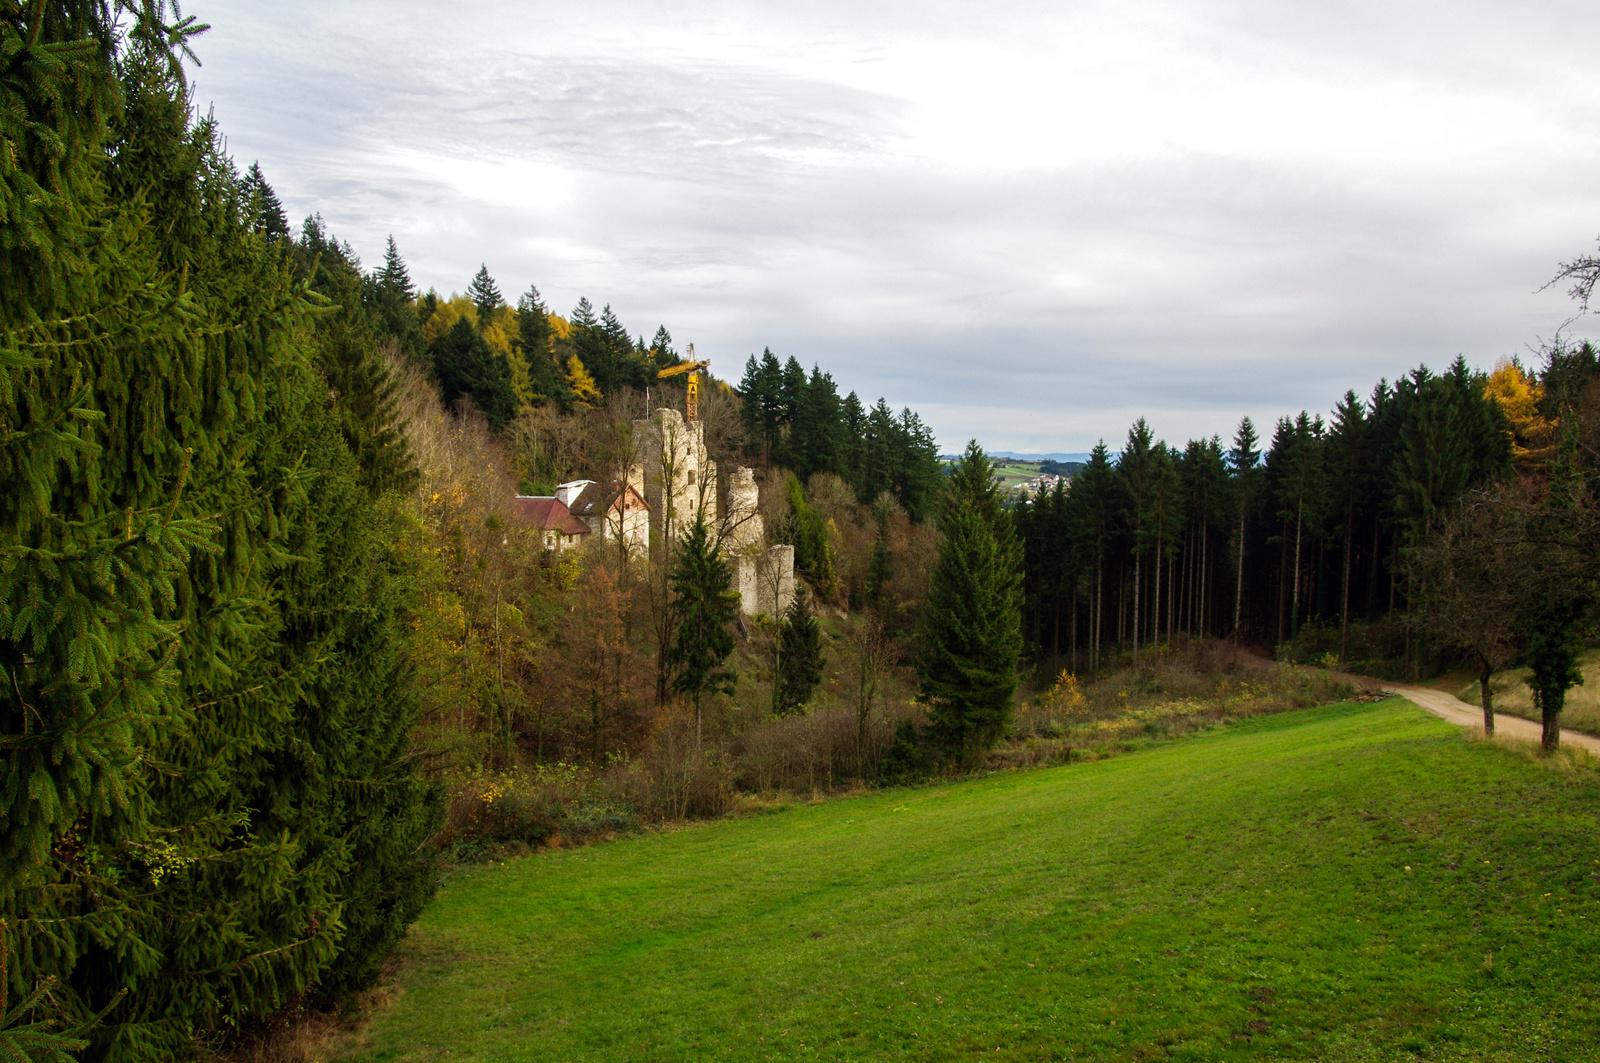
907 758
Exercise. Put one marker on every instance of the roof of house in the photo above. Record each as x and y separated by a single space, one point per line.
546 513
597 499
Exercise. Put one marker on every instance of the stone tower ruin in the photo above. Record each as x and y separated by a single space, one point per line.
764 575
678 479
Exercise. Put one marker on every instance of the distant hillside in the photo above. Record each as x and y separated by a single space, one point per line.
1068 469
1077 459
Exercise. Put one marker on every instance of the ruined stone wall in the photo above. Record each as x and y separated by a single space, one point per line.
673 471
678 477
745 528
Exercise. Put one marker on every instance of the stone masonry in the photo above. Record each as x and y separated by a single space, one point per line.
674 474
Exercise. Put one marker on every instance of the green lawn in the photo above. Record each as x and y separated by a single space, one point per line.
1325 884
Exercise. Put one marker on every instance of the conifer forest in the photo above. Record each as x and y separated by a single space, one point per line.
279 640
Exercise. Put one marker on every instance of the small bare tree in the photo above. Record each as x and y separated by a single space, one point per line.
1471 572
872 654
601 658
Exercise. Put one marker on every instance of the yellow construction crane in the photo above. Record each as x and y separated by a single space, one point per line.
692 367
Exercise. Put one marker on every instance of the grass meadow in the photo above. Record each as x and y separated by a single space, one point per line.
1352 882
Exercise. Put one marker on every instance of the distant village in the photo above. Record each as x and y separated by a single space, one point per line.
1042 484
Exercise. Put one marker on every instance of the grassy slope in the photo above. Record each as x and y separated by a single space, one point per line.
1239 894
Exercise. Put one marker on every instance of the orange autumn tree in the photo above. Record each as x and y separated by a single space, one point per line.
1518 394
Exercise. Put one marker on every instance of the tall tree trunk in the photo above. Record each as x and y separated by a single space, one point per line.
1155 598
1197 575
1205 582
1172 599
1372 571
1394 561
1283 575
1344 606
1122 609
1074 625
1238 594
1096 617
1294 605
1195 558
1136 573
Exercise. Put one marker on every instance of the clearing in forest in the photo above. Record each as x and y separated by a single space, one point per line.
1346 883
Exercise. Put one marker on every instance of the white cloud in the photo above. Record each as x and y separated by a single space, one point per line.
1032 222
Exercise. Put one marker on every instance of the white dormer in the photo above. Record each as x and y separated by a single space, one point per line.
571 490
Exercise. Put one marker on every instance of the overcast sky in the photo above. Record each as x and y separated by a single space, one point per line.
1030 222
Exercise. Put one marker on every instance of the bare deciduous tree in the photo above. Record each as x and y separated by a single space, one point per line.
1470 573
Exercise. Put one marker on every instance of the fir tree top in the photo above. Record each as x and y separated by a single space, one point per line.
583 314
485 295
531 302
394 278
263 212
661 346
612 327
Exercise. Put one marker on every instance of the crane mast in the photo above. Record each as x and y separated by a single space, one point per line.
691 402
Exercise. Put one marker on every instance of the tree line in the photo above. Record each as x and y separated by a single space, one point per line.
1258 538
799 422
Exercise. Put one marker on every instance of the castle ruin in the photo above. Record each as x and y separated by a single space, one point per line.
678 479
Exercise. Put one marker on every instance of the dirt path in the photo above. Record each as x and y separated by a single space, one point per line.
1452 709
1461 714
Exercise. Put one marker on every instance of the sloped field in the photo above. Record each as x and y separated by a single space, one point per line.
1325 884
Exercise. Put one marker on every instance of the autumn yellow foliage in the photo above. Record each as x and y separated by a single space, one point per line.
581 384
1518 394
497 333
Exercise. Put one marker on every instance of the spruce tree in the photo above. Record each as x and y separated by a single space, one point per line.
394 277
485 295
224 703
464 364
807 530
1296 465
703 608
971 637
625 366
361 385
854 421
799 652
590 349
534 341
660 349
817 426
263 210
1348 456
392 298
752 396
1094 500
1243 458
880 566
1136 476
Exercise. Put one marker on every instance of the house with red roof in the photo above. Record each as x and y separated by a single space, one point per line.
559 529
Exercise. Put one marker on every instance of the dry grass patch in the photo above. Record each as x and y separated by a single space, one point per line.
1513 696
